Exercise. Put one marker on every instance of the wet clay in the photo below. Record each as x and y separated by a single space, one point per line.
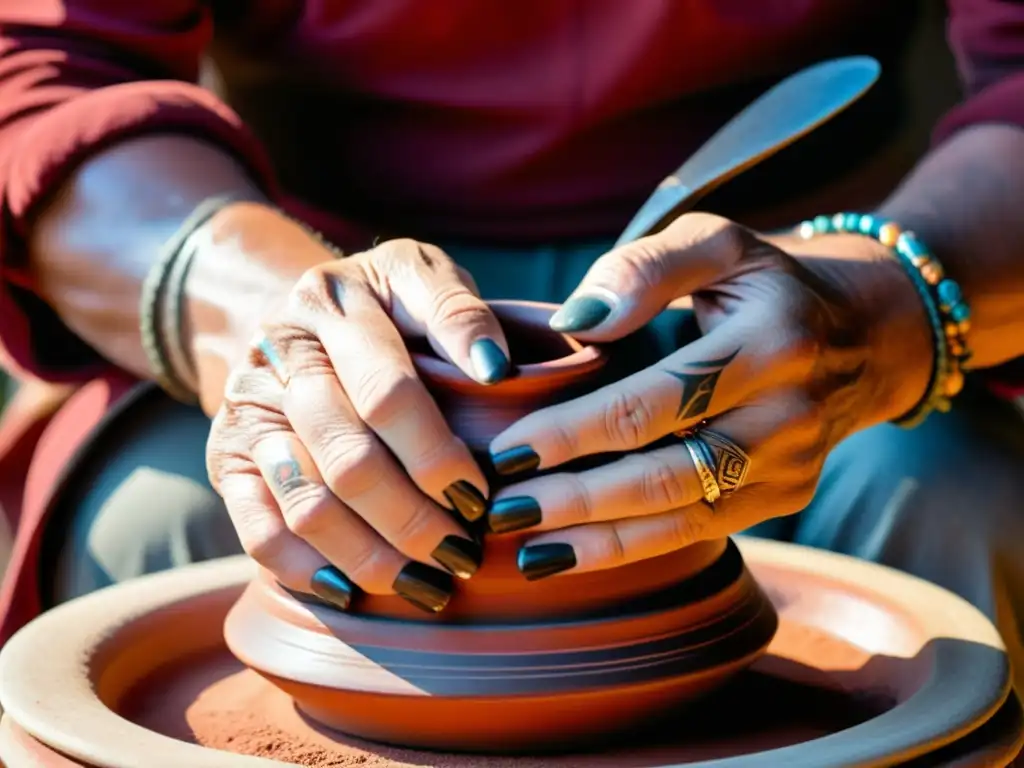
215 702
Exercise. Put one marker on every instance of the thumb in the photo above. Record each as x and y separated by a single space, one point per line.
627 287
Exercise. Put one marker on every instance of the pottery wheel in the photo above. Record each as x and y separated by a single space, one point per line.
870 667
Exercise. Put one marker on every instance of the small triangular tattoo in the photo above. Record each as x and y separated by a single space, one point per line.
699 382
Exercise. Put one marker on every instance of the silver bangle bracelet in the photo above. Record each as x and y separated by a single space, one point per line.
160 305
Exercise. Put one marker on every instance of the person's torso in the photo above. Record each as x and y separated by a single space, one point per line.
518 121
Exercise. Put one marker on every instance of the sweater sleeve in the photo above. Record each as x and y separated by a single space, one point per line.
76 76
987 38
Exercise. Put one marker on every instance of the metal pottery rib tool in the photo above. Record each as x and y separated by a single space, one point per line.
789 110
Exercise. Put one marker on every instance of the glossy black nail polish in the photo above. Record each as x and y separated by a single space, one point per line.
466 499
489 361
513 514
580 314
427 588
542 560
332 586
460 556
522 458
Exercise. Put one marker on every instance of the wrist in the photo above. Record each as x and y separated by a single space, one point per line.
891 319
248 258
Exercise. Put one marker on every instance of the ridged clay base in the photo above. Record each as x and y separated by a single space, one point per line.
506 687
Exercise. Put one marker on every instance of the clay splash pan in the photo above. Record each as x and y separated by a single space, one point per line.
870 667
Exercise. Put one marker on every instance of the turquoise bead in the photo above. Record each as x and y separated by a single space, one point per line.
911 247
959 313
851 221
949 293
871 225
822 224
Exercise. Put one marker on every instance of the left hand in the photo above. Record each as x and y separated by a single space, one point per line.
804 342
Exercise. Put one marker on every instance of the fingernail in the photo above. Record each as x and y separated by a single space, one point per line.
580 314
522 458
513 514
465 497
427 588
460 556
489 361
333 586
542 560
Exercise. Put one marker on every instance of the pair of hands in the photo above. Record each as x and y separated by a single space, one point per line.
340 473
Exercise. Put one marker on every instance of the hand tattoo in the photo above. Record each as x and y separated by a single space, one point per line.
699 385
287 475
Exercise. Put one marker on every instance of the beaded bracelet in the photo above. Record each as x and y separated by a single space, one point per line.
948 313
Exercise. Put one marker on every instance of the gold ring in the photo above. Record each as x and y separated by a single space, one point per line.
704 462
730 461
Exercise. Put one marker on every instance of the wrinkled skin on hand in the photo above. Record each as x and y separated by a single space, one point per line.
335 464
803 343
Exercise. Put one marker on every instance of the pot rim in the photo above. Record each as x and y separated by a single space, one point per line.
534 315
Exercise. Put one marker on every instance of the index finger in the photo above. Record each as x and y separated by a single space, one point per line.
366 355
430 297
704 378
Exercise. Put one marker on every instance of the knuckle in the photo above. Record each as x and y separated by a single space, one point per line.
628 420
456 304
661 485
412 528
687 528
560 440
799 352
644 264
726 236
309 290
319 288
383 396
579 503
246 384
406 256
353 467
399 249
435 467
709 233
311 514
610 550
267 547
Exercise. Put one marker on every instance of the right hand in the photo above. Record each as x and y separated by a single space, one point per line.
336 465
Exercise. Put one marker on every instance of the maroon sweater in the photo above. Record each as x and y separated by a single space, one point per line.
459 119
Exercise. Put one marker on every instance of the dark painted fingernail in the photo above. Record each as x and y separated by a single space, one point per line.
465 497
513 514
580 314
333 586
425 587
489 361
460 556
522 458
542 560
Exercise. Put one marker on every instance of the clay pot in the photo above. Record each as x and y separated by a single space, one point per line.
513 665
869 668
